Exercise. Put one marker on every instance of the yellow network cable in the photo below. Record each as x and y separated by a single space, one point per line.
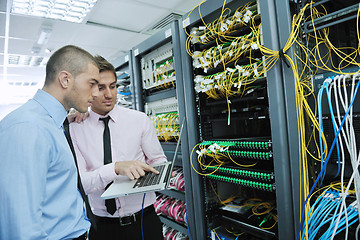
311 60
233 232
164 79
167 125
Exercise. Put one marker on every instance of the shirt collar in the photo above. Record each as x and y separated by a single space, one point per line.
54 108
114 113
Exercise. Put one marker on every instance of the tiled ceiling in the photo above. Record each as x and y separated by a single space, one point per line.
112 28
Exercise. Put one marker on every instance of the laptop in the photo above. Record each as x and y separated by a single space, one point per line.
150 182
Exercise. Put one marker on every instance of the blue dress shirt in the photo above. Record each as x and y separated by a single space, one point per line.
38 180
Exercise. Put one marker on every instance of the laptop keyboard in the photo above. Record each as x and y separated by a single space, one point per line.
150 178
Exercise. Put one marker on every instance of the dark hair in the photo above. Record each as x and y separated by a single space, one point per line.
69 58
104 65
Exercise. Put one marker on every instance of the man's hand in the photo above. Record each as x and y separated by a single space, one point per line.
133 169
75 116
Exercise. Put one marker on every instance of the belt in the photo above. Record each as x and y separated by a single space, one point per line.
82 237
125 220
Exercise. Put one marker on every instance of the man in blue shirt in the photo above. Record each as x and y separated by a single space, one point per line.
39 198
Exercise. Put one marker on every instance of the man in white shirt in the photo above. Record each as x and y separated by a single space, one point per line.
134 144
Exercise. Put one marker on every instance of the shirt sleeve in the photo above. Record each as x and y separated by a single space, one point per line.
93 180
25 158
150 144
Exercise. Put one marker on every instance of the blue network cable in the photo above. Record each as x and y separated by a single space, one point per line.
142 213
327 158
326 205
321 130
325 219
330 205
334 126
334 215
351 214
187 225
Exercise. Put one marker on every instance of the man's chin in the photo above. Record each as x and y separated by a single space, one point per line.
82 109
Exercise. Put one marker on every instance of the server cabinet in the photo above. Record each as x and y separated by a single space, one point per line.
237 122
159 93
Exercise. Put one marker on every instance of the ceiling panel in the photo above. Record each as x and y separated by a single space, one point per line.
112 28
2 44
170 4
2 24
3 6
21 46
24 74
129 15
187 6
25 27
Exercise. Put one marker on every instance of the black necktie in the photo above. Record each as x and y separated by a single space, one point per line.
109 203
79 184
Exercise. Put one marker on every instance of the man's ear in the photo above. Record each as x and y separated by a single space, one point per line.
64 78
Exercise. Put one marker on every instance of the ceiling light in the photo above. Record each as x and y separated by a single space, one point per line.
73 11
44 36
25 60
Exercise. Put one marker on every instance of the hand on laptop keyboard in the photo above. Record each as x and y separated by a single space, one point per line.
149 178
133 169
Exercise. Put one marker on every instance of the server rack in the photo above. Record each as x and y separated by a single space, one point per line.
277 104
124 70
340 22
162 51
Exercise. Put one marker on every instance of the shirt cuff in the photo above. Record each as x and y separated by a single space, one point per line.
157 160
107 173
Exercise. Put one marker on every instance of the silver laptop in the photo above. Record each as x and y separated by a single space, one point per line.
150 182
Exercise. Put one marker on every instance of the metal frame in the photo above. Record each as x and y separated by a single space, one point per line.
282 113
155 41
352 10
276 22
125 62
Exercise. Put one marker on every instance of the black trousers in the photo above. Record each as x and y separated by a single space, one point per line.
152 228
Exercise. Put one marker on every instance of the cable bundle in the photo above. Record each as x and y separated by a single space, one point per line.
338 85
164 75
231 82
173 208
166 125
178 181
171 234
224 25
218 153
225 53
326 217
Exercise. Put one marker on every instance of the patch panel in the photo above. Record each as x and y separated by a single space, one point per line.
230 82
251 155
209 152
232 144
237 19
244 173
161 106
166 125
164 115
225 53
243 182
153 64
